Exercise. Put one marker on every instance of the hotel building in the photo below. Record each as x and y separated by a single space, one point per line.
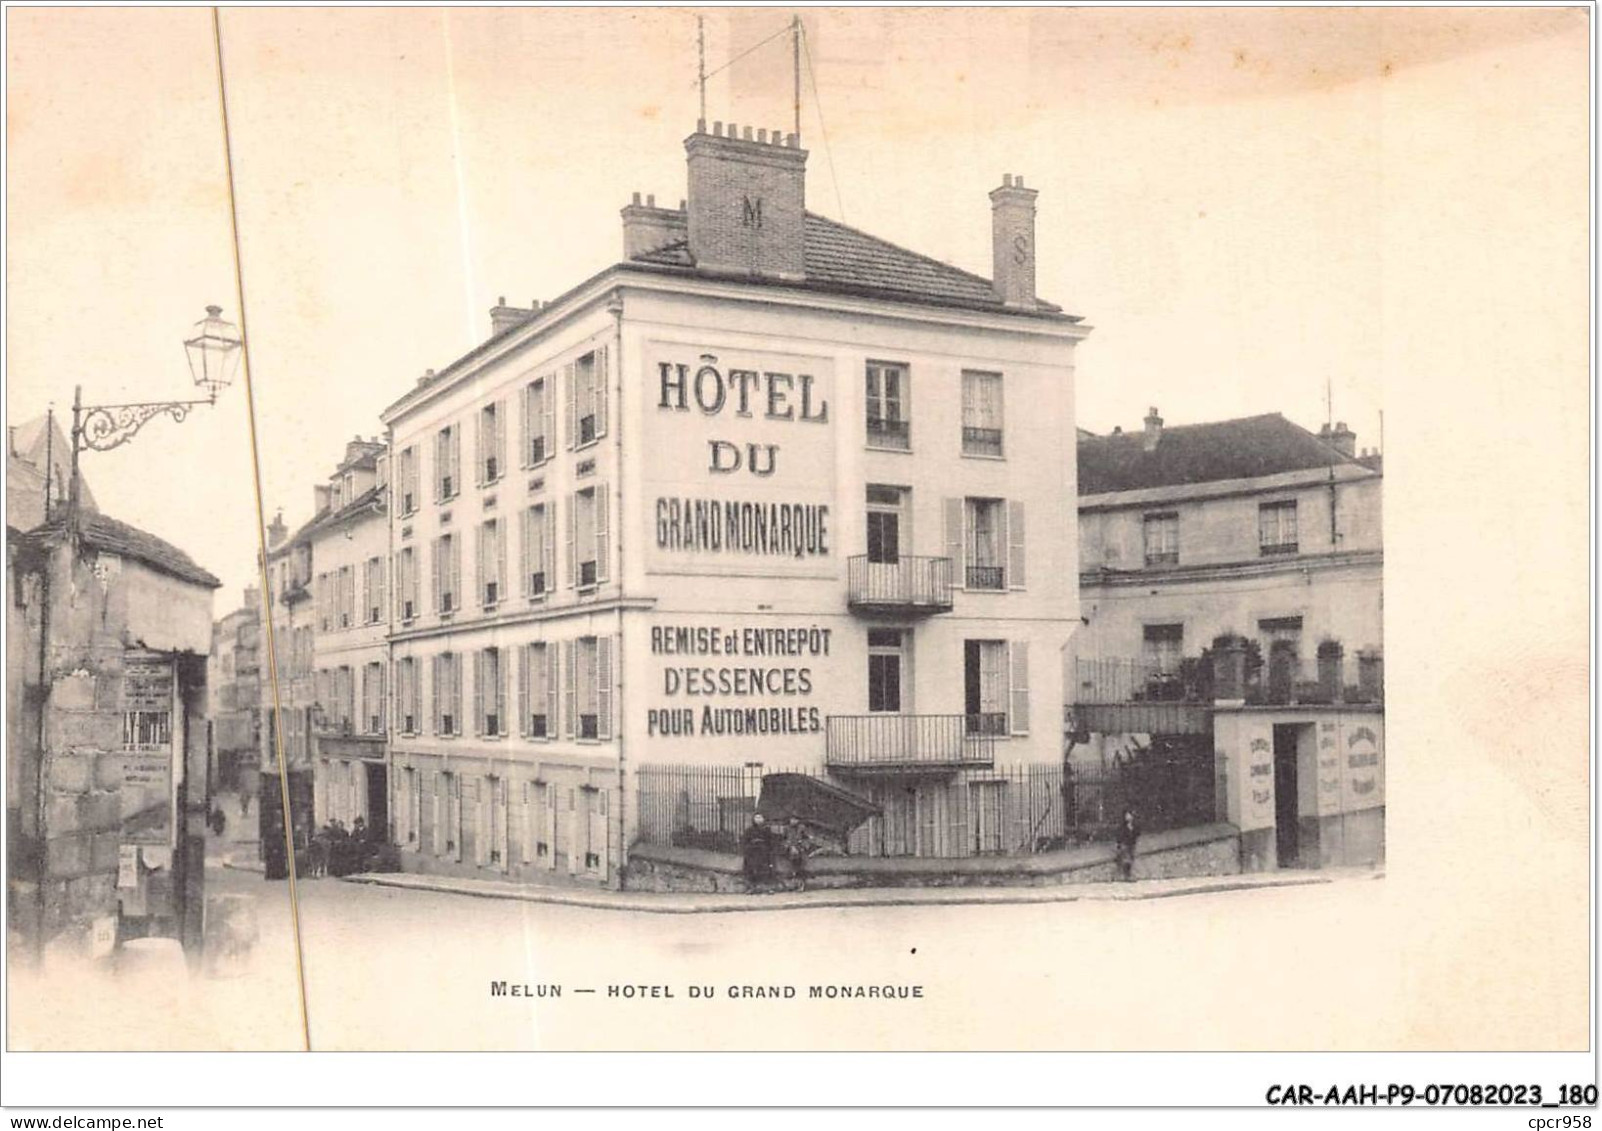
767 491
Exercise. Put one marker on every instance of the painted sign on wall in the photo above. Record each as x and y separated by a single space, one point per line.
1257 806
740 472
734 681
1364 771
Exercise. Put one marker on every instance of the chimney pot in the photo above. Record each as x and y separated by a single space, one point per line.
792 140
717 129
745 134
636 199
700 125
762 136
1017 181
1154 429
650 200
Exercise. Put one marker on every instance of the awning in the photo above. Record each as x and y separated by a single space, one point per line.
816 802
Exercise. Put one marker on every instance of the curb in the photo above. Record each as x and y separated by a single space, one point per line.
668 904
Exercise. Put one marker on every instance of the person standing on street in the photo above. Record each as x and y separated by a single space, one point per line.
756 846
1128 834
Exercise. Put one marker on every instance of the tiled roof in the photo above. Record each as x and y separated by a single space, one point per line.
841 258
102 532
1245 448
371 500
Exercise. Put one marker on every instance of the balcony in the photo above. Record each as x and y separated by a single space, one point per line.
981 441
895 435
908 743
906 585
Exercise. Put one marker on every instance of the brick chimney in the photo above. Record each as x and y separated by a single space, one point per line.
503 317
1344 439
1012 241
747 202
276 530
647 227
1154 429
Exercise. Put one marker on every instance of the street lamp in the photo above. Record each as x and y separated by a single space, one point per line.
214 353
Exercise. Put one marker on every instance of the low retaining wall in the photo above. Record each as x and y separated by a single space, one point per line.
1203 850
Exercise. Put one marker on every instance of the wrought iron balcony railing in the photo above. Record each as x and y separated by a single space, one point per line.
908 584
899 743
895 434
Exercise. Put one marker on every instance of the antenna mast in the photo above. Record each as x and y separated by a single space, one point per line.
795 68
700 39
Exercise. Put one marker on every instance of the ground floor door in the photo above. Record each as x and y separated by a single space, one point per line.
1286 793
378 799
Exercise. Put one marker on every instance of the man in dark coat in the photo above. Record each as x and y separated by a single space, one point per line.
1128 834
756 845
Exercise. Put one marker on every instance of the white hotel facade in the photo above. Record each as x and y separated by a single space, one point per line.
769 490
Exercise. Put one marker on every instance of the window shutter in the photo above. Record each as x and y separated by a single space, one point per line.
522 661
570 704
400 587
1018 703
499 437
603 687
548 400
480 824
570 395
954 540
478 692
503 807
548 544
439 819
383 586
456 812
550 827
438 692
456 572
552 676
525 402
572 539
525 555
603 542
1015 544
481 562
439 570
601 382
500 558
456 489
481 448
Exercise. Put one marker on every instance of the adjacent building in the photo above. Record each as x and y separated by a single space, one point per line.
106 753
235 682
770 493
349 542
288 695
1231 586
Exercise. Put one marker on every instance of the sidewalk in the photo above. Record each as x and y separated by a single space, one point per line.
689 903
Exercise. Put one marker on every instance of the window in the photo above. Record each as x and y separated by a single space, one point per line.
406 810
406 695
373 698
889 422
347 596
489 693
1161 647
539 551
347 489
985 542
996 686
408 481
325 602
589 687
981 414
406 585
1282 646
884 669
491 457
539 421
1276 527
341 703
447 694
986 568
536 691
491 563
447 573
587 537
447 463
1161 532
884 524
453 814
586 398
374 585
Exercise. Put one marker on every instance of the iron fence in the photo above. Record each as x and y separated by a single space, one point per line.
1008 810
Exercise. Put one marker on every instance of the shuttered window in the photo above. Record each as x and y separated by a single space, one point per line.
537 559
539 421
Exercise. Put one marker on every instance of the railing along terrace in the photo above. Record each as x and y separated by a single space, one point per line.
889 433
908 582
909 741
